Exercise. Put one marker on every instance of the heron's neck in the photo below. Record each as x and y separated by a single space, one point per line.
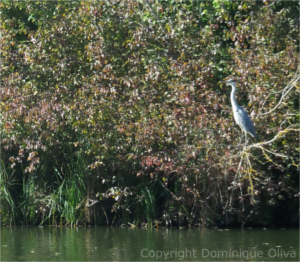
232 97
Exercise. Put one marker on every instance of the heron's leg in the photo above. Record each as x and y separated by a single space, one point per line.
246 138
241 138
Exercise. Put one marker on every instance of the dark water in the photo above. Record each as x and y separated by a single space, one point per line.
123 244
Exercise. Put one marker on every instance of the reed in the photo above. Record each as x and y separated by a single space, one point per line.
8 205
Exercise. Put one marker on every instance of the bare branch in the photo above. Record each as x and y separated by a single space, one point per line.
93 202
290 128
285 91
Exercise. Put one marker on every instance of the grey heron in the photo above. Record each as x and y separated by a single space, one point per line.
240 116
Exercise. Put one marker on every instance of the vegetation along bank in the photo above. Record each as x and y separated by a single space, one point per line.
112 112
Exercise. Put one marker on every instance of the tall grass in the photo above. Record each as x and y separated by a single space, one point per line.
28 206
149 204
65 203
46 195
8 205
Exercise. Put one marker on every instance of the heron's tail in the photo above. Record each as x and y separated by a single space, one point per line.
254 136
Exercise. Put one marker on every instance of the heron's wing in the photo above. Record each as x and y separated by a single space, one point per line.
244 121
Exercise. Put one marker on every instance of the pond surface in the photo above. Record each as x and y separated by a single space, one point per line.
124 244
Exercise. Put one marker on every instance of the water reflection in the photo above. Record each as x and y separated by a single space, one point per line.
121 244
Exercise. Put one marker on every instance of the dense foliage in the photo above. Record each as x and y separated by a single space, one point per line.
112 112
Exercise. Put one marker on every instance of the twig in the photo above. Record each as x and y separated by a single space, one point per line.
290 128
104 214
155 15
289 87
